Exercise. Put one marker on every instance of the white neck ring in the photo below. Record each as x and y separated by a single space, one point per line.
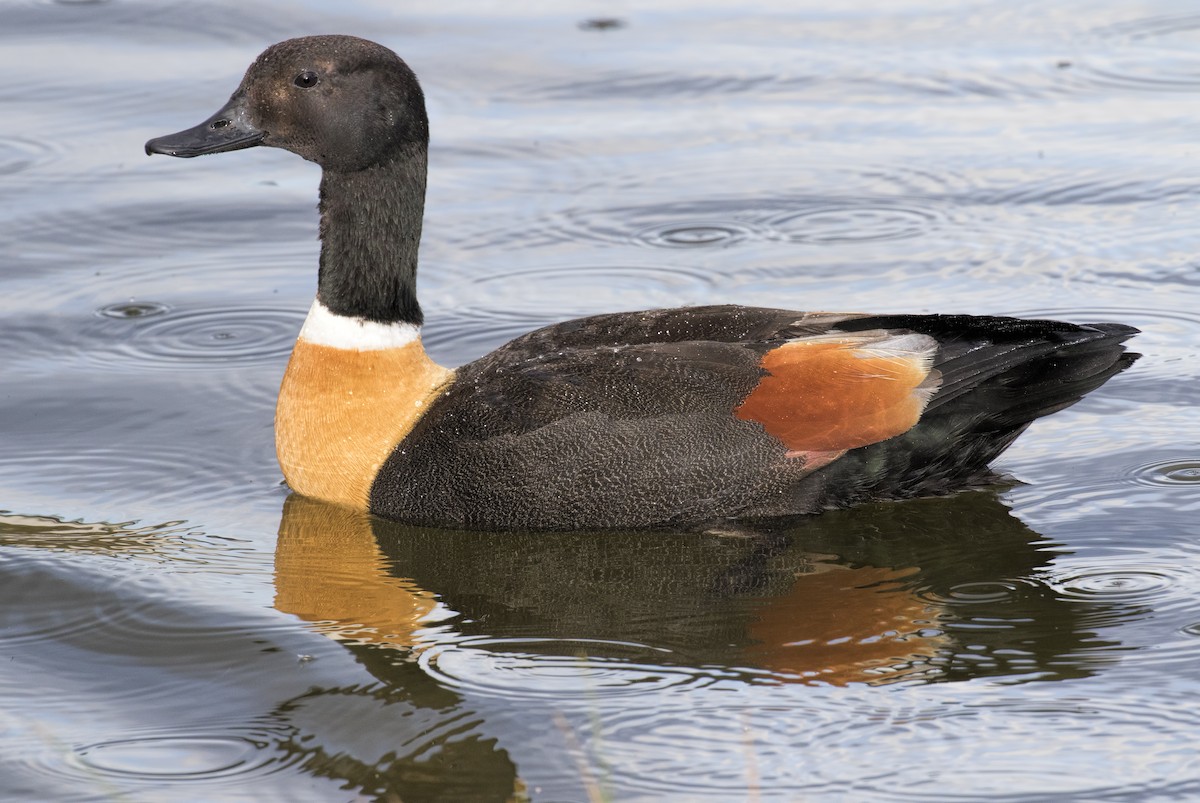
325 328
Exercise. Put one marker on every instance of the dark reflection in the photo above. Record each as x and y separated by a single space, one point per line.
947 589
406 740
925 591
329 570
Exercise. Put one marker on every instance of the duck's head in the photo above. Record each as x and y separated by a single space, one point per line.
340 101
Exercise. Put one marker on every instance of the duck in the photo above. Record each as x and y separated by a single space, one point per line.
697 416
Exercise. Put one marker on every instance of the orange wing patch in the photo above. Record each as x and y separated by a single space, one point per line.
836 392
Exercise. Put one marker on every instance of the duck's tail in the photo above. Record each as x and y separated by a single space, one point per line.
998 375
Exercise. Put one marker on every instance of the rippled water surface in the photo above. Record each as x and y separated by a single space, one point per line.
174 627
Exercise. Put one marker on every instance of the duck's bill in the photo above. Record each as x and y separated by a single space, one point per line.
227 130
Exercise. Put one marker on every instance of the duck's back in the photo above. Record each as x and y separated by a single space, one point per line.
688 416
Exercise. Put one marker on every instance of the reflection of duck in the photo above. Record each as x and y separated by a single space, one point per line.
627 420
329 569
868 598
858 624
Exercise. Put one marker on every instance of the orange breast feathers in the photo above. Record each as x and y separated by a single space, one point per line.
341 412
835 392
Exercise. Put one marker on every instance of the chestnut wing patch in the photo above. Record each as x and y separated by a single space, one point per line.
839 391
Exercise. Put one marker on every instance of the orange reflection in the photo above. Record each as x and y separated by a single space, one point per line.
840 625
329 571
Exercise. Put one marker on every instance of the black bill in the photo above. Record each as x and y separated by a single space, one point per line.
227 130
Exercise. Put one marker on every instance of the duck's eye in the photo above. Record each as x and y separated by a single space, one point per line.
307 79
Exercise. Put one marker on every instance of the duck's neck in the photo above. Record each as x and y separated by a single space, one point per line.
359 379
370 232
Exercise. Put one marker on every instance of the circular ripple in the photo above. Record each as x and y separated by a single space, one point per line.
797 219
851 222
1124 584
555 668
701 234
153 759
1168 473
874 202
980 593
983 592
174 758
133 309
607 287
206 337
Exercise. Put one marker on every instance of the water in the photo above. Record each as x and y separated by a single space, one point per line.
175 628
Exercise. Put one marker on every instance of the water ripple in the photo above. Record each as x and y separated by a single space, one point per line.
879 203
874 203
18 155
162 251
1169 335
694 234
849 221
156 761
173 757
1178 323
122 475
1151 28
608 287
205 337
58 617
455 335
1154 54
982 593
1103 188
817 750
1124 584
1168 473
133 309
624 83
551 669
727 222
179 226
151 334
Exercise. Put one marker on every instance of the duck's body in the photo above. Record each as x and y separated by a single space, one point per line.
681 416
669 417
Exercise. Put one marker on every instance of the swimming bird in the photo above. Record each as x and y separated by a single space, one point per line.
668 417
